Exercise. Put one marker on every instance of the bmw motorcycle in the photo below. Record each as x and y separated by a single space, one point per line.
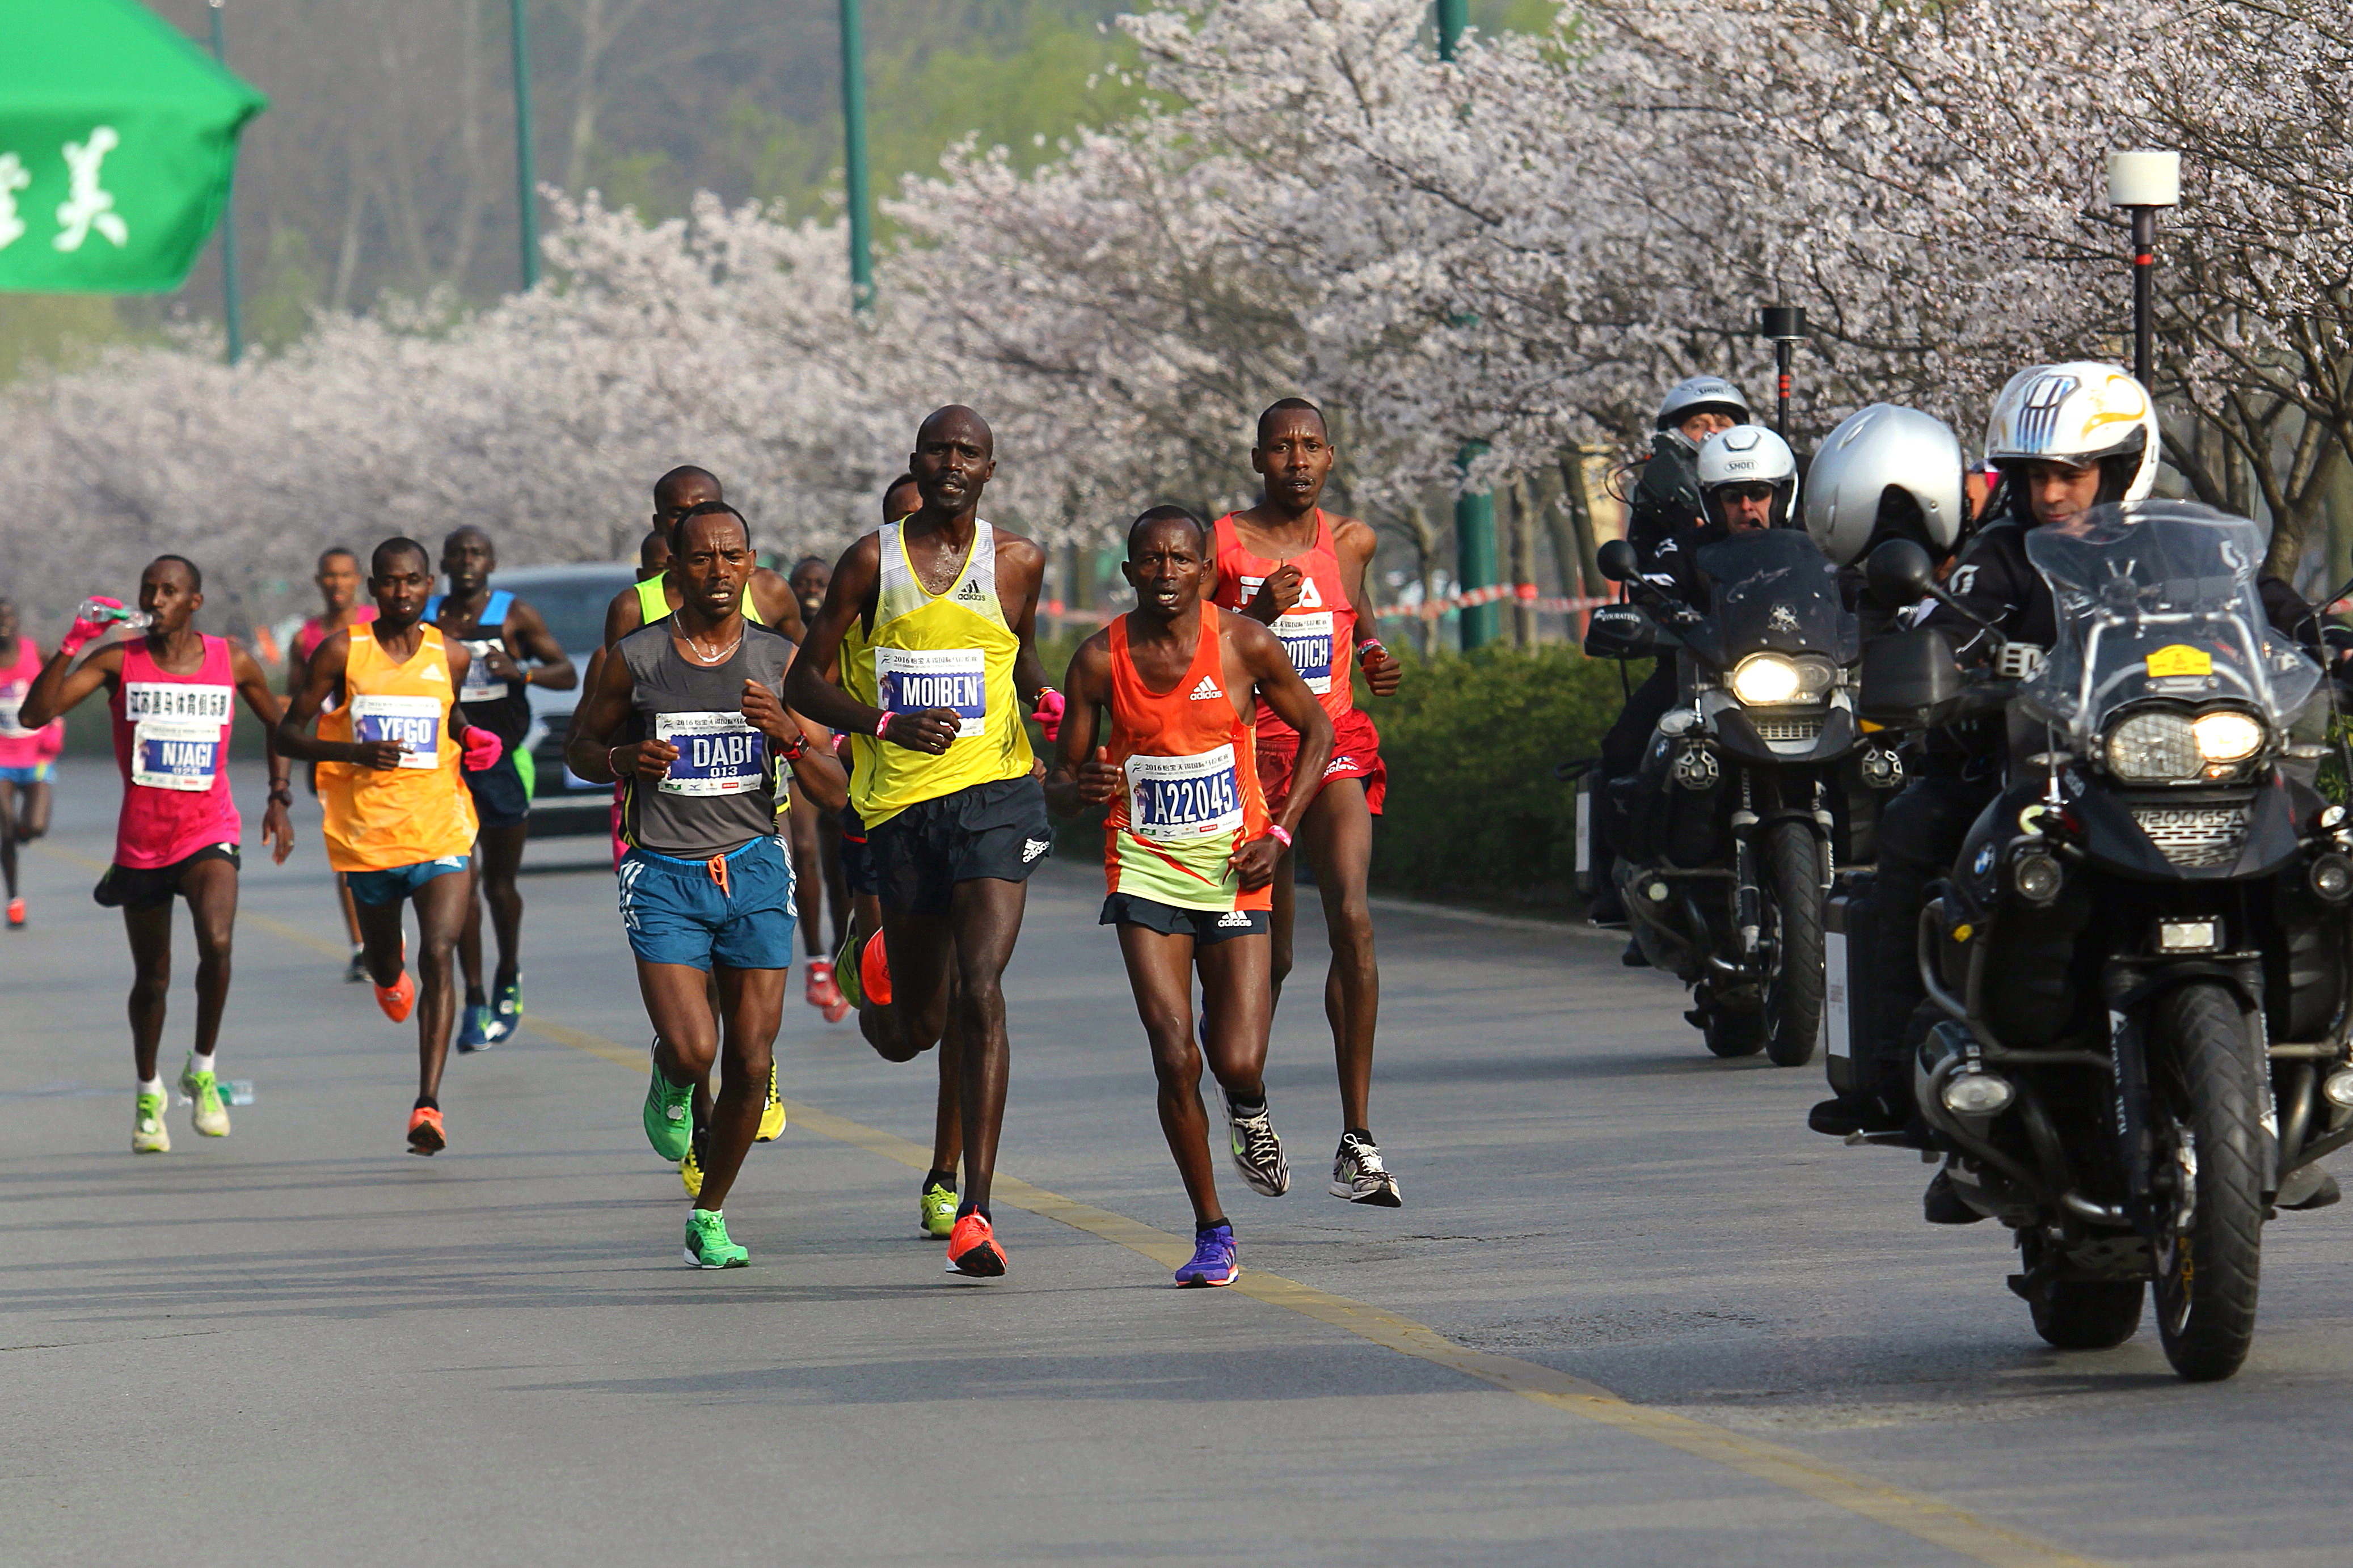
2138 971
1728 827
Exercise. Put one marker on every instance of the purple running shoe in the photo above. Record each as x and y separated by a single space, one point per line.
1213 1258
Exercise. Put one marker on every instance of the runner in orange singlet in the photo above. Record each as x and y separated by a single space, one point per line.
1189 846
1286 563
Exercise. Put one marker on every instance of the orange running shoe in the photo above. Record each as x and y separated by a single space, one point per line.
396 1000
874 971
972 1249
425 1136
824 993
17 918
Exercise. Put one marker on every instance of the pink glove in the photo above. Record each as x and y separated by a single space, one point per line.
86 631
483 748
1050 714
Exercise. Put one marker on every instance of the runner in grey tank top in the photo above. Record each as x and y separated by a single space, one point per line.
688 711
720 793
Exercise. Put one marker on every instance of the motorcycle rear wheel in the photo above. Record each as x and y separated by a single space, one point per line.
1793 881
2210 1265
2089 1314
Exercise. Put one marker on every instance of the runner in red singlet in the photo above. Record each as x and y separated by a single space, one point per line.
173 695
27 756
339 586
1288 563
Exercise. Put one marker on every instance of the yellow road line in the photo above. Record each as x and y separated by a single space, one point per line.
1924 1518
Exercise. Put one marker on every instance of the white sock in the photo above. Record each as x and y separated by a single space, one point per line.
151 1086
200 1064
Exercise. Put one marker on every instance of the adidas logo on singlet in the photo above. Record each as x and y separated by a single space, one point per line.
1206 692
970 591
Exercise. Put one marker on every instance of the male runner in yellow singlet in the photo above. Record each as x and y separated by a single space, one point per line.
399 820
943 608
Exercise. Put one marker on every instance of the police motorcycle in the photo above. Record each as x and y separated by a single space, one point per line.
1725 829
2138 965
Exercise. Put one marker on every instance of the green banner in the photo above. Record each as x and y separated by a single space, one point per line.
117 141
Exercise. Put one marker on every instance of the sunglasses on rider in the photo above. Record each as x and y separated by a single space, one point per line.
1754 490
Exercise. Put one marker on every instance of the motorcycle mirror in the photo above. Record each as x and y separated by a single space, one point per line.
1617 561
1900 573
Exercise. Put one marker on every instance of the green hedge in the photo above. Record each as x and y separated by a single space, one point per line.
1473 809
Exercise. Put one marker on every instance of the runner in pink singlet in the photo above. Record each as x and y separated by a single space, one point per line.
24 756
171 694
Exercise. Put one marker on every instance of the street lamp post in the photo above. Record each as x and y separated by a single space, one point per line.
526 195
853 147
1785 327
232 301
2141 183
1474 511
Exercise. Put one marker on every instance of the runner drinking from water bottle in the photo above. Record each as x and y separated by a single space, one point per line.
27 756
687 711
1190 850
944 608
399 822
500 632
173 697
339 583
1288 563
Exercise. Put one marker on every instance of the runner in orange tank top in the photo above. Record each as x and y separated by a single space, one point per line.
1189 847
1286 563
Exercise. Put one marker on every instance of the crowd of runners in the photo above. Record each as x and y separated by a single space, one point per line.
852 738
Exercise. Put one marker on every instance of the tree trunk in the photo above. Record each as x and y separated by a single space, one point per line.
1578 492
1524 564
1425 570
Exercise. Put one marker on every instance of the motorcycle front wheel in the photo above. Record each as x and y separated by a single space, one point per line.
2208 1258
1793 993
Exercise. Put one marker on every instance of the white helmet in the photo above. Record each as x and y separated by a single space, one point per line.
1747 455
2081 411
1886 467
1700 395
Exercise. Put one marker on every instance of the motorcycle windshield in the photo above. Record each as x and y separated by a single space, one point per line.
1771 588
2156 600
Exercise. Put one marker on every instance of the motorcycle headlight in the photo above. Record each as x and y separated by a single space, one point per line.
2226 737
1779 681
2156 747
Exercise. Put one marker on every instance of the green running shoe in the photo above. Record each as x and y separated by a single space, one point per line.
203 1089
707 1245
936 1214
148 1133
670 1116
845 969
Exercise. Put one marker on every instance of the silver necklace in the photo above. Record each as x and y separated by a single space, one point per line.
721 656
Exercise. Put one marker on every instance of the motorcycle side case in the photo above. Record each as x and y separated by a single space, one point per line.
1584 833
1849 939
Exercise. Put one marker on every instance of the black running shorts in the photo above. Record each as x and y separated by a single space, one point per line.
137 888
1205 927
995 831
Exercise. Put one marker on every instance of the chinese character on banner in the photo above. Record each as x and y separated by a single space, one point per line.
86 206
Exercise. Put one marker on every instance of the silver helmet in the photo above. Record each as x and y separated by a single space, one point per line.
1747 455
1885 471
1700 395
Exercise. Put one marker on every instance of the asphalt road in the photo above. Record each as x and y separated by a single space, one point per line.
1632 1312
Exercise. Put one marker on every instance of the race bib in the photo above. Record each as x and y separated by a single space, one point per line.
1173 800
480 686
10 730
145 699
175 753
414 721
911 679
1308 640
718 753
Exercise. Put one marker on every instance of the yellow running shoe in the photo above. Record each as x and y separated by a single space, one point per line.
936 1210
772 1115
148 1133
689 1170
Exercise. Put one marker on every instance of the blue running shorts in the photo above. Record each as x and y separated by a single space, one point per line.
391 886
676 911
